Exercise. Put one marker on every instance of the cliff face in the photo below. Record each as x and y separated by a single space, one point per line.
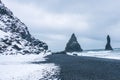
108 45
73 45
15 37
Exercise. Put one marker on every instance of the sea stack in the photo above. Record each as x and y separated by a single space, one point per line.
73 45
108 45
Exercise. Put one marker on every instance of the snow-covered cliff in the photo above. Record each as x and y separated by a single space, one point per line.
15 37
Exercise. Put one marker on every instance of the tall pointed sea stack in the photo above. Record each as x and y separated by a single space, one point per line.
73 45
108 45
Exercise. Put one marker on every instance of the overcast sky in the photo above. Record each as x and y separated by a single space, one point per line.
53 21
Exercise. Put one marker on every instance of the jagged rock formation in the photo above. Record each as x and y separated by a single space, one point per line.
108 45
73 45
15 37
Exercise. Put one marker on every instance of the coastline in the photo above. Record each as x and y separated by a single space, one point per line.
85 68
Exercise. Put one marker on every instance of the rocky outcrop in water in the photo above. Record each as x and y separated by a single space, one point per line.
108 45
73 45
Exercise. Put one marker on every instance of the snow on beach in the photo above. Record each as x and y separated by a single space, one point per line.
18 67
99 54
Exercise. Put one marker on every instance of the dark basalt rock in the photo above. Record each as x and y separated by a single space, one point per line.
16 47
108 45
73 45
61 52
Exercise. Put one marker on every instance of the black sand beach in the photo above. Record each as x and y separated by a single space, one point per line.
85 68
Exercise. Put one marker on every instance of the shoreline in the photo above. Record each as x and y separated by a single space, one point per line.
86 68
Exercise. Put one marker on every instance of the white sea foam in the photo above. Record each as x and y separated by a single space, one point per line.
99 54
18 67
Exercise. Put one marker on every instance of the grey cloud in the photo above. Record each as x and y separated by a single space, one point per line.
102 18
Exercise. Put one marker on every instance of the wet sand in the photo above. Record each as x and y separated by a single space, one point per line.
85 68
